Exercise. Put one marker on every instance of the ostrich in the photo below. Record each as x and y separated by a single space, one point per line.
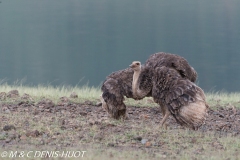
119 83
175 94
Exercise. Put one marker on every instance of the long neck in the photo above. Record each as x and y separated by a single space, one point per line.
137 93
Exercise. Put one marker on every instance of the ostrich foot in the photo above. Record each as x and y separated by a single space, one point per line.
126 117
166 115
104 104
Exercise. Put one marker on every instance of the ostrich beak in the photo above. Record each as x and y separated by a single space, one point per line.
130 65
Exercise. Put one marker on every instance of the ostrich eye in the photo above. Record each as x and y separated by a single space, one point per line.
137 63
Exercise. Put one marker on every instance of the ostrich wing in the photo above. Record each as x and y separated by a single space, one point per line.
122 84
172 61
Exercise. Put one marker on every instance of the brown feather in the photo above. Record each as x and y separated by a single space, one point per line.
184 99
172 61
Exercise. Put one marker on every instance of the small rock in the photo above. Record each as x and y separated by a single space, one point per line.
91 121
74 95
217 145
33 133
3 95
138 138
145 116
194 140
42 142
47 110
45 135
9 127
64 99
99 104
23 137
13 94
88 103
5 109
20 103
143 141
110 144
57 133
198 151
26 96
88 110
46 104
164 156
98 137
148 144
63 127
8 140
12 136
130 112
41 107
83 113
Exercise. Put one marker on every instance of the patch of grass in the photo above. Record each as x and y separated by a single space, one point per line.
220 99
92 94
54 93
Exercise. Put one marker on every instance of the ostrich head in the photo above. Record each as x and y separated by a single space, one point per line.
136 65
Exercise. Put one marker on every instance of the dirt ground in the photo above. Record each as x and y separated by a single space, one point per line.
26 124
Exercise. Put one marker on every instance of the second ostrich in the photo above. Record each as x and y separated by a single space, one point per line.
176 95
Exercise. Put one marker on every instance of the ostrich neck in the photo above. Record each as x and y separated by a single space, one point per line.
137 93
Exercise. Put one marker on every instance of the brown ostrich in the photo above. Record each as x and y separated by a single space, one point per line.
119 83
175 94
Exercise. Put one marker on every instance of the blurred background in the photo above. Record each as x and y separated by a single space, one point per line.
79 42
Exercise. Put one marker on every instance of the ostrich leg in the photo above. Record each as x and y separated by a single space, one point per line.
166 113
104 105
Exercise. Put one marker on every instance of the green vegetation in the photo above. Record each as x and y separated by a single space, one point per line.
223 99
54 93
92 94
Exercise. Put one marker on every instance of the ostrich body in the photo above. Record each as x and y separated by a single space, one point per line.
176 95
119 83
